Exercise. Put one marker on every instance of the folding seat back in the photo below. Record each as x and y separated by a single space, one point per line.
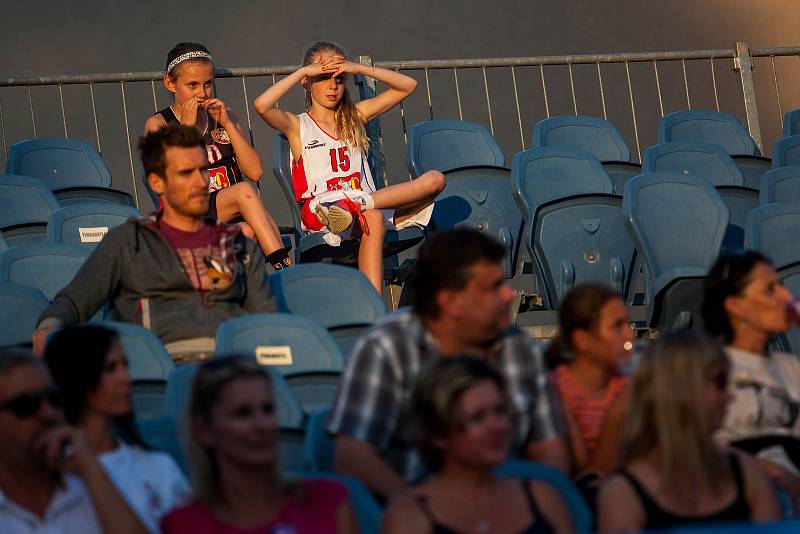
791 123
60 163
596 136
444 145
46 266
3 243
368 512
542 174
298 348
20 308
780 185
677 222
707 126
25 206
319 446
786 152
86 223
481 198
581 239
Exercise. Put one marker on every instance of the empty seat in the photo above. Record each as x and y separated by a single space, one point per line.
774 230
581 239
297 347
780 185
678 223
542 174
3 243
20 308
597 136
149 365
445 145
25 206
319 446
791 123
715 165
73 170
340 298
706 126
46 266
786 152
312 247
86 223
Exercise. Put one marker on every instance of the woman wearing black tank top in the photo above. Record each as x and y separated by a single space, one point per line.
460 420
190 78
672 471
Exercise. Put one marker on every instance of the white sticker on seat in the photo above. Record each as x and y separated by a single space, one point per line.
92 235
274 355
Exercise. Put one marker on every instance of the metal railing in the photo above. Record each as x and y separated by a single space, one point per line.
509 95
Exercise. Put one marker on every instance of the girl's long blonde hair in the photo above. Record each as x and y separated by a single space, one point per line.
668 408
349 121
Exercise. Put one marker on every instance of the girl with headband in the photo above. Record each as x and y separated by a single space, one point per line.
190 78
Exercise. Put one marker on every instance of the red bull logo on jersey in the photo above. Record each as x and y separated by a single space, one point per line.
345 183
218 179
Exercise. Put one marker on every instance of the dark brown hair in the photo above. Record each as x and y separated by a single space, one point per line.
153 146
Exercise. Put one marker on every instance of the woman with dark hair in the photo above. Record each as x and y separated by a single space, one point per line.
672 472
232 440
89 366
595 341
461 421
745 305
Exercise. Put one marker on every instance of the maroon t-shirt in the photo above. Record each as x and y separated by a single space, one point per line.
202 255
313 513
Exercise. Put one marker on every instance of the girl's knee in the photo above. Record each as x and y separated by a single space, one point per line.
247 230
434 182
376 221
244 190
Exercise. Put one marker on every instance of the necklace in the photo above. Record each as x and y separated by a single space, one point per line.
204 115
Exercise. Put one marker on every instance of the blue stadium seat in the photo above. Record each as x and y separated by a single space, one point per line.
297 347
774 230
678 223
319 446
579 511
581 239
25 206
340 298
480 198
312 247
3 243
786 152
542 174
597 136
706 126
715 165
752 168
791 123
73 170
149 364
445 145
86 223
20 308
46 266
780 185
369 513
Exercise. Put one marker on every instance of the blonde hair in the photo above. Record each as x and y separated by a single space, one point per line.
668 407
209 381
349 121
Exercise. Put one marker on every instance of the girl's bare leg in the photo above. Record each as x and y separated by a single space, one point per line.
418 192
243 199
370 251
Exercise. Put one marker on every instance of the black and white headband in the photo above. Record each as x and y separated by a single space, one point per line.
188 55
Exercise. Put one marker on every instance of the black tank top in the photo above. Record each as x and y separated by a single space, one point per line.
539 525
657 517
223 169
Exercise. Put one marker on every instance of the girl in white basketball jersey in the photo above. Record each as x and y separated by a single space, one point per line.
331 178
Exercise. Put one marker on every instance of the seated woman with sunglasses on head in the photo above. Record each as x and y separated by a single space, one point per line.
89 366
461 422
232 426
672 472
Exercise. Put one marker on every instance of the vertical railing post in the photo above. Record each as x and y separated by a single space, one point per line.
376 159
743 64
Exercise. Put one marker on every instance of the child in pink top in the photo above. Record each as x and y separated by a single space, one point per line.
596 337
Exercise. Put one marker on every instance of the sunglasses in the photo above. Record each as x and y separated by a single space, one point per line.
29 404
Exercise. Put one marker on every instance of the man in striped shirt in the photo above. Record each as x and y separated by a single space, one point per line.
461 304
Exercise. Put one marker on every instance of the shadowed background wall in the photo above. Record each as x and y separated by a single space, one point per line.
92 36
